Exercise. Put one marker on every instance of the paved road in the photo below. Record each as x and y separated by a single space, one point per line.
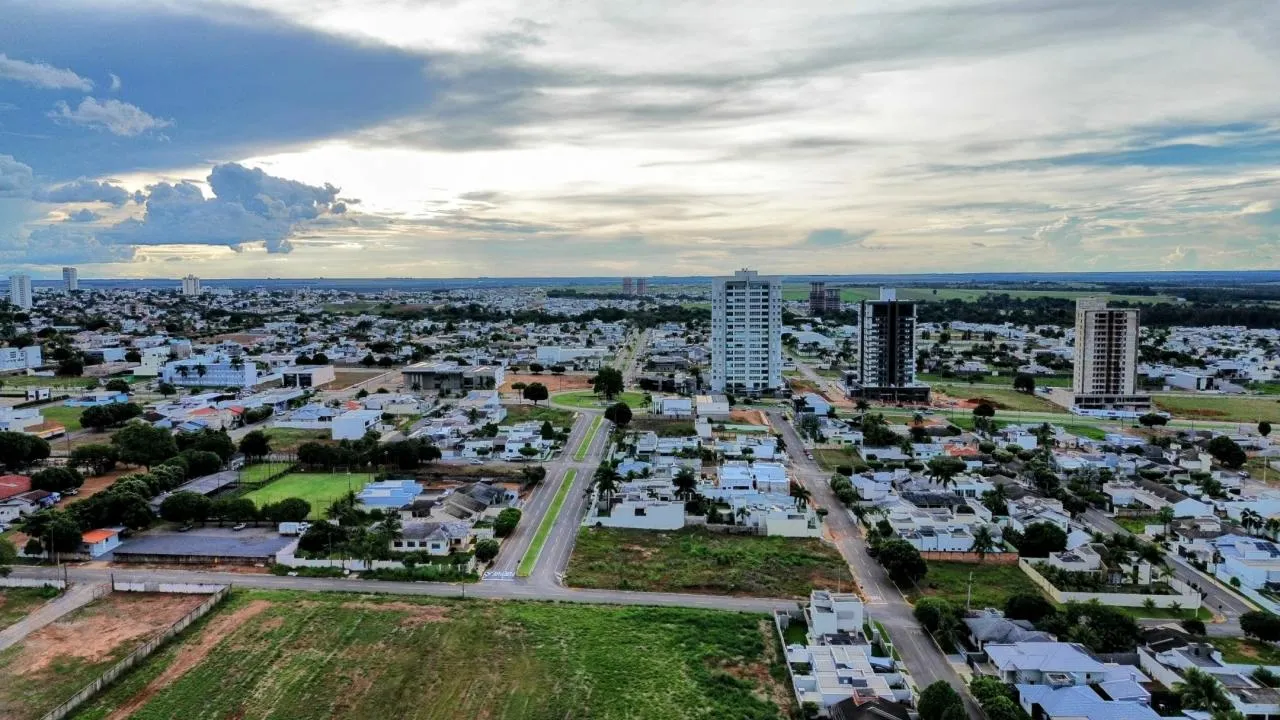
1223 602
923 659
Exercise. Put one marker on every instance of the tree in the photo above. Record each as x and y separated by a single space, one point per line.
166 389
506 522
1024 383
185 507
901 561
801 495
1264 428
56 479
932 612
536 392
944 468
983 542
1201 691
1153 420
142 444
686 483
287 510
984 409
606 480
1042 538
1193 626
1226 451
101 417
536 368
71 367
619 414
214 441
1032 607
937 699
19 450
95 458
608 382
255 445
201 462
8 555
1261 625
486 550
1165 516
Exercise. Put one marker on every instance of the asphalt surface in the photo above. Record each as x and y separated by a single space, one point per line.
926 663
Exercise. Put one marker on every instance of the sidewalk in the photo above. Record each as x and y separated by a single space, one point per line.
79 595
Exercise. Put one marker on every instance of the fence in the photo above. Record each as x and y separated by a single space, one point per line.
16 582
957 556
1187 598
135 657
176 588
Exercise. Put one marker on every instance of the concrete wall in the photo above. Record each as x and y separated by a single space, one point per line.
1187 598
16 582
176 588
992 558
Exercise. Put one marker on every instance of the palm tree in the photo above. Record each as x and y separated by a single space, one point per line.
184 371
1201 691
606 480
1165 516
1250 520
202 370
1273 527
983 542
742 515
686 483
801 494
391 527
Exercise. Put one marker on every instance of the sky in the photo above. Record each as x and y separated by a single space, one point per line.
460 138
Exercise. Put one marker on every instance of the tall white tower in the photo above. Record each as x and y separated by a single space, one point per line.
70 279
1106 358
20 290
746 333
191 285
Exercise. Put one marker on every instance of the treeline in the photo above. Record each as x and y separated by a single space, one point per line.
366 452
1002 308
648 316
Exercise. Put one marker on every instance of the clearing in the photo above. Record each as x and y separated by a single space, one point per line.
1220 407
67 417
695 560
288 440
554 383
55 662
588 399
663 427
1001 398
831 458
539 413
319 489
17 603
263 654
992 584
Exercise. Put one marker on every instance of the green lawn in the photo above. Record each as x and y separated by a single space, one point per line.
319 489
1161 613
1220 407
258 473
287 440
544 528
585 446
588 399
30 381
1136 524
831 458
17 603
68 417
540 413
346 656
1247 651
992 584
1092 432
694 560
1003 399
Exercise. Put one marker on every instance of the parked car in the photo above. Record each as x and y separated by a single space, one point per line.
239 526
185 528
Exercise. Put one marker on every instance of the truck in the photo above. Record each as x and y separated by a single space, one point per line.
294 528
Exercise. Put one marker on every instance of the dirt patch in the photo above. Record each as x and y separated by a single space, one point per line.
554 383
102 629
192 654
748 417
94 485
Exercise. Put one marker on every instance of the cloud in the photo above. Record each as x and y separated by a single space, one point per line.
83 215
115 82
248 206
41 75
114 116
1064 233
63 243
16 179
1181 258
835 238
82 191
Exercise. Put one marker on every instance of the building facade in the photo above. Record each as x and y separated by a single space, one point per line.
822 299
210 371
191 285
20 290
70 279
1104 379
746 333
887 351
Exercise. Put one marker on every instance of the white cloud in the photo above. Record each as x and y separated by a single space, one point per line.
16 179
41 75
115 82
114 116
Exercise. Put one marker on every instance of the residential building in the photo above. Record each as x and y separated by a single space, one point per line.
434 538
1104 379
211 371
27 358
70 280
642 286
191 285
20 290
389 494
452 377
887 351
307 376
96 543
98 397
353 424
823 300
746 333
838 663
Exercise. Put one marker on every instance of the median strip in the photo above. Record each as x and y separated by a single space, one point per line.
544 528
586 442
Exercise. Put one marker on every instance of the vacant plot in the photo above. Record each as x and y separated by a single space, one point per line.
345 656
831 458
67 417
694 560
319 489
588 399
17 603
663 427
554 383
55 662
1000 380
1000 398
992 584
29 381
538 413
288 440
1220 407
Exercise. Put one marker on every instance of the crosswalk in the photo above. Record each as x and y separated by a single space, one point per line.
500 575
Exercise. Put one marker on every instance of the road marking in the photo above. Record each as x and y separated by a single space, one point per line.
500 575
544 528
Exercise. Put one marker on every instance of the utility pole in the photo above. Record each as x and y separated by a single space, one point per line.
968 600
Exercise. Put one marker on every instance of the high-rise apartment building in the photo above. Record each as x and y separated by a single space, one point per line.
1104 380
822 299
746 333
20 290
887 351
70 280
191 285
628 286
642 286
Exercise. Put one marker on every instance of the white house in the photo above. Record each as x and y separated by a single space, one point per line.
211 371
353 424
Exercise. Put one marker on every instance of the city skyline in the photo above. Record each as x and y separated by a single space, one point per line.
290 139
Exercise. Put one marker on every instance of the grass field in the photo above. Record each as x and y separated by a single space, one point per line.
540 413
305 657
1220 407
1001 398
319 489
588 399
992 584
831 458
287 440
30 381
663 427
694 560
258 473
530 558
1247 651
1001 380
17 603
585 446
68 417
